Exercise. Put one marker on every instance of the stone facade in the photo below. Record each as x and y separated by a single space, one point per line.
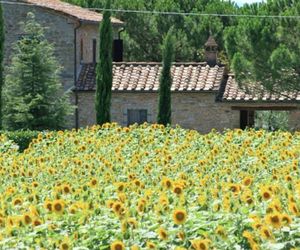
197 111
190 110
59 31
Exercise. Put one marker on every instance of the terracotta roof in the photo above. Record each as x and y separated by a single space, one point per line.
135 76
71 10
234 93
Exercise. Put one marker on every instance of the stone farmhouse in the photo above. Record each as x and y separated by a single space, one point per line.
204 94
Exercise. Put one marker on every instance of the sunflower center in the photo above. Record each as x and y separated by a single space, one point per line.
202 246
180 216
27 219
65 246
275 219
58 207
267 195
118 247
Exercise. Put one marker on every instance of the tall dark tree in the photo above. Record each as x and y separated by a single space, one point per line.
165 83
1 59
104 69
33 92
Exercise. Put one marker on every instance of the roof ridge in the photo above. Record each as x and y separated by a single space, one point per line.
71 10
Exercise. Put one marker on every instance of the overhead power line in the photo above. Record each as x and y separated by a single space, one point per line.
173 13
149 12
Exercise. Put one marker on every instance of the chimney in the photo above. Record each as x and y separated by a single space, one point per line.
211 51
118 48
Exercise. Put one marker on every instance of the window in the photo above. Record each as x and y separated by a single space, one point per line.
81 50
246 119
138 116
94 50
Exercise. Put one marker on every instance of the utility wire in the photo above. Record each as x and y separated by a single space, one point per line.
193 13
148 12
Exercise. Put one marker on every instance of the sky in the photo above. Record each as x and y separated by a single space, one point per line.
241 2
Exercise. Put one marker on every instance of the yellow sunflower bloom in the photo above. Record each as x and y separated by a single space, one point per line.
179 216
117 245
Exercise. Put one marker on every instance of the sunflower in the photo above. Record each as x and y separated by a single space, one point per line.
249 236
134 247
118 208
293 208
179 216
266 233
221 232
48 205
27 219
274 220
181 235
64 246
286 219
150 245
178 190
247 181
167 183
120 186
117 245
17 202
34 184
132 222
141 207
37 222
235 188
162 233
266 194
198 244
66 188
58 206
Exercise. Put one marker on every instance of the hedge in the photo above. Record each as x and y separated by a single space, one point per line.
21 137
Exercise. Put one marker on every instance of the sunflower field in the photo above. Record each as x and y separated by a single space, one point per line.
151 187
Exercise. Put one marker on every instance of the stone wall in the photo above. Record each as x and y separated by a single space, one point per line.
59 31
190 110
85 36
294 120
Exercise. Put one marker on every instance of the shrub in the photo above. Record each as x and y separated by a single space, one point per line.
21 137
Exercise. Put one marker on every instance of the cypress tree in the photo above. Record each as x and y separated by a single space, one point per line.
33 92
104 69
1 59
165 83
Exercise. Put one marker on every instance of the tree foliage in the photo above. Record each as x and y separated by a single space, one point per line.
33 93
104 70
1 59
164 103
259 50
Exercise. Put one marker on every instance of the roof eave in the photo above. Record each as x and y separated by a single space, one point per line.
151 91
260 101
92 22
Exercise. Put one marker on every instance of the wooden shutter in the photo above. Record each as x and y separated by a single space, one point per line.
94 50
138 116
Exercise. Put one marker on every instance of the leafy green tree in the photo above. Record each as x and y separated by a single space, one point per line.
104 70
272 120
268 48
143 43
165 83
33 94
1 59
265 50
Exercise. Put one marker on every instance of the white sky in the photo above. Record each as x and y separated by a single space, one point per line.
241 2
